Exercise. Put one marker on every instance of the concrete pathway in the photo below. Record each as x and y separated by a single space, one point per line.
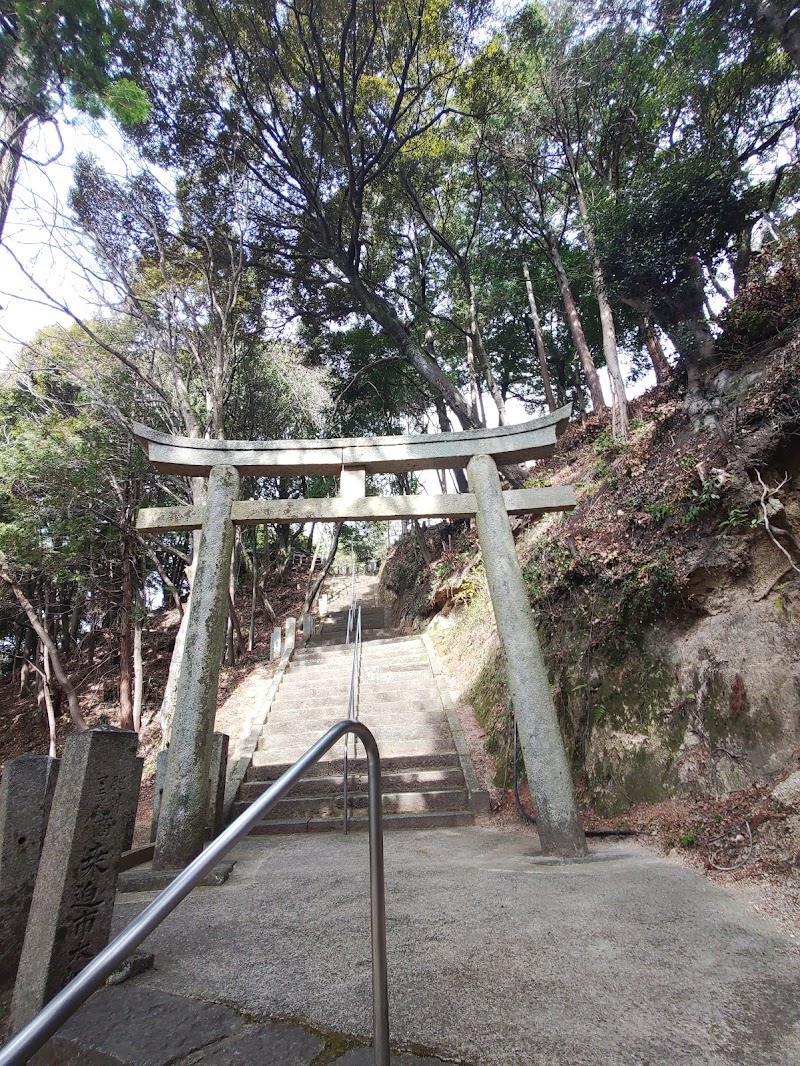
497 957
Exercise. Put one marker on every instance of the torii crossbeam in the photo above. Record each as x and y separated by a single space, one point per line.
183 807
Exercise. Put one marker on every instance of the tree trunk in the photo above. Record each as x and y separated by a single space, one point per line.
540 349
381 311
30 644
13 128
680 313
166 583
45 701
783 25
314 586
251 632
661 367
252 570
419 536
47 642
230 650
574 324
619 407
235 630
474 386
125 637
480 353
167 712
75 618
138 670
446 427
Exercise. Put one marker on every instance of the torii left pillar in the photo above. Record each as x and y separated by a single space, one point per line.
182 822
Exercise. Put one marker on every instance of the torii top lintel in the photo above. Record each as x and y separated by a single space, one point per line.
276 458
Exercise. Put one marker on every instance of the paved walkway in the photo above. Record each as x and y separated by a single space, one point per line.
497 957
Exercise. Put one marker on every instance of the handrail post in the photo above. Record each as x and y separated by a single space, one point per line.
377 891
352 702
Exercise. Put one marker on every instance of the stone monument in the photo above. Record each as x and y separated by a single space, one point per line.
26 793
71 909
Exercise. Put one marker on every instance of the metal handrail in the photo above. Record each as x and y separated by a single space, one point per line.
352 706
36 1033
351 614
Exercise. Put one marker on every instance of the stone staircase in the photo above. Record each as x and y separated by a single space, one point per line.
423 779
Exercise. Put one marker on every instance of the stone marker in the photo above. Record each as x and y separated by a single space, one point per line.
26 793
290 626
308 625
216 784
182 822
70 915
557 820
275 644
158 791
323 605
130 828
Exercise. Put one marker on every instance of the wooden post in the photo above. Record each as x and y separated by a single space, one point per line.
557 819
182 823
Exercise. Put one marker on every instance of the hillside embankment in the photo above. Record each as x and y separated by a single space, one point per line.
667 604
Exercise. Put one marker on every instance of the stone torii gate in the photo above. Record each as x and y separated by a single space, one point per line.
183 806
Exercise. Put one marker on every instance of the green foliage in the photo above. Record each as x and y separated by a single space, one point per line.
362 540
688 839
539 481
605 444
659 512
645 595
547 568
703 500
127 102
769 302
738 517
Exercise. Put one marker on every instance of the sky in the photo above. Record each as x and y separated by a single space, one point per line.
37 228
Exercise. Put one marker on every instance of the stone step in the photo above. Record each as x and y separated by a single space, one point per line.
391 641
436 735
310 683
292 749
330 806
367 636
426 820
420 699
408 781
342 672
336 703
408 725
297 672
265 768
373 619
398 646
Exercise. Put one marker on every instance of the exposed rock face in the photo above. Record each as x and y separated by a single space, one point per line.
787 793
707 706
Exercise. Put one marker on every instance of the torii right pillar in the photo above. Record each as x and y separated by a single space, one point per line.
557 819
